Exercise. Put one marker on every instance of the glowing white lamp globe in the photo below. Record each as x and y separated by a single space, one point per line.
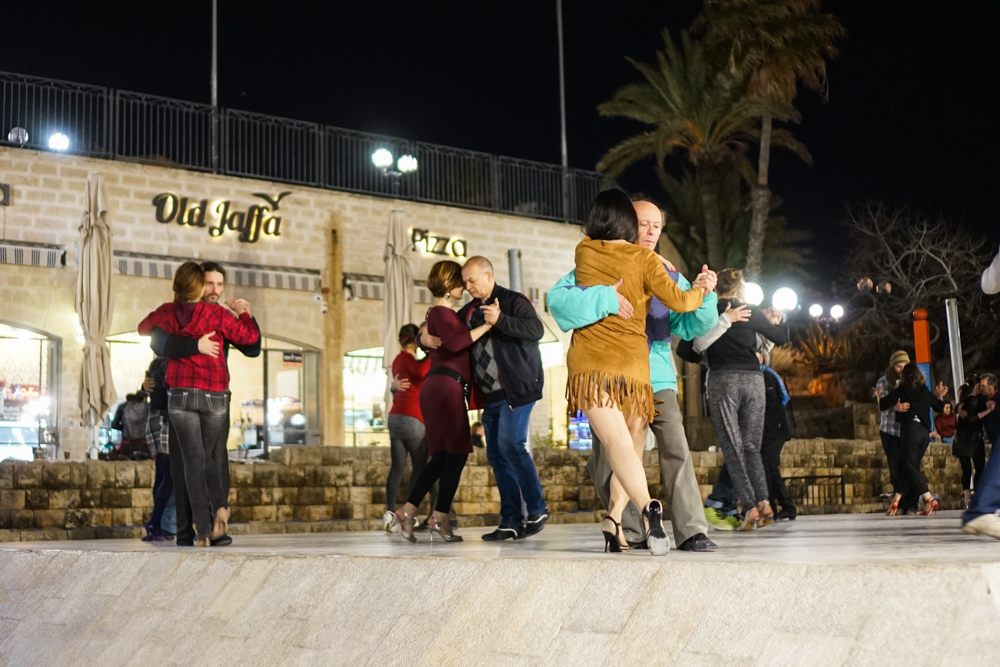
753 293
382 158
785 299
58 141
816 310
407 164
837 312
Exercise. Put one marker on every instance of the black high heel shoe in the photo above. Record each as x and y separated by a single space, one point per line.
659 543
611 542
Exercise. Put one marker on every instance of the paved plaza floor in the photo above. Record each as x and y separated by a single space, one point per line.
822 591
831 539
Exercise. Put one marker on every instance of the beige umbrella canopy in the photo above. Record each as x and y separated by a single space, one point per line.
398 297
94 303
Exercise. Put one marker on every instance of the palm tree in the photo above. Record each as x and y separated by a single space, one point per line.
785 42
700 107
786 253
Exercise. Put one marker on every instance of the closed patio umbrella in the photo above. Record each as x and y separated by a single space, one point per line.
94 305
398 296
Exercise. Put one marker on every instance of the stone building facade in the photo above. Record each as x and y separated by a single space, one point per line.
323 236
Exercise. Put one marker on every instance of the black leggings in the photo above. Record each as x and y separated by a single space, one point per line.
915 439
445 467
970 480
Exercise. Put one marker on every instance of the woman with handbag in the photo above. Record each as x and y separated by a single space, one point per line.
443 404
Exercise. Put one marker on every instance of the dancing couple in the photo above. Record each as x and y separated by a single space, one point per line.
485 355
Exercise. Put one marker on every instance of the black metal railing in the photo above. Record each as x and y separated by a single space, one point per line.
817 490
117 124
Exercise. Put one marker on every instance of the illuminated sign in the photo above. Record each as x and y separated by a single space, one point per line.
438 245
257 220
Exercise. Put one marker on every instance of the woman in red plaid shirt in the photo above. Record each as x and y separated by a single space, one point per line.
197 385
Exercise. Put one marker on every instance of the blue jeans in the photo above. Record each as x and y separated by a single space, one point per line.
723 496
507 451
986 499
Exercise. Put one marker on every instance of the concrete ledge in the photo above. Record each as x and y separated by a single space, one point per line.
821 591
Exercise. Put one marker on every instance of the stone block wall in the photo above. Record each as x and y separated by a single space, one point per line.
319 489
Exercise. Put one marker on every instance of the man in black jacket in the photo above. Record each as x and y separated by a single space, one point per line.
176 347
508 370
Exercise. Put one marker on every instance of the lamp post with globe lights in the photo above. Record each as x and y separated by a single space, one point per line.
383 159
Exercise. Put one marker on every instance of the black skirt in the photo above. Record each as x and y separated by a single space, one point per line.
968 443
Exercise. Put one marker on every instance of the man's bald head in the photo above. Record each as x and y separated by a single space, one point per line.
650 223
477 274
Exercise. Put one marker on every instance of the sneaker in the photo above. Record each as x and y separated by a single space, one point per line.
389 522
534 524
504 533
735 521
716 521
984 524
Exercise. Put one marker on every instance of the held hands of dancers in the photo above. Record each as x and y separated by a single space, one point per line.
901 407
625 308
240 306
940 390
491 312
706 280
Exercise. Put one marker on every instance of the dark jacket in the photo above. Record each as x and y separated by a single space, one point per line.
515 344
178 347
969 429
921 402
777 424
736 350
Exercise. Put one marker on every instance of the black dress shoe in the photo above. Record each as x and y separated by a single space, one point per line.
786 514
221 541
641 544
699 543
185 541
534 524
504 533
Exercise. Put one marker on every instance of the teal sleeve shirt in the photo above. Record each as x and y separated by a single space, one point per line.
574 307
685 326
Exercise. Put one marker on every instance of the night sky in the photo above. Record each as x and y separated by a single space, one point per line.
912 96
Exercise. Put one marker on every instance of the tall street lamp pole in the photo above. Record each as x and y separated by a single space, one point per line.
215 85
562 113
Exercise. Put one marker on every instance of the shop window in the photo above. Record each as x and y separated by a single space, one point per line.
29 387
364 398
275 399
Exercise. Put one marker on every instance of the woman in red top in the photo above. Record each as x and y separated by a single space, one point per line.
406 425
946 422
197 386
443 404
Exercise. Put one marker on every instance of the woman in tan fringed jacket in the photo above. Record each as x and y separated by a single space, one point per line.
608 362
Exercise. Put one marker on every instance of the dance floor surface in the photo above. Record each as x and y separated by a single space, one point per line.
826 590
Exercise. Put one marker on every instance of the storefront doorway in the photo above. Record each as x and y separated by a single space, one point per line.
285 378
29 394
279 389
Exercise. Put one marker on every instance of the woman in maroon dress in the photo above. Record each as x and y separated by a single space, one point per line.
443 404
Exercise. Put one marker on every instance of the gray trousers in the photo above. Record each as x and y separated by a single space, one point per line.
737 399
680 486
